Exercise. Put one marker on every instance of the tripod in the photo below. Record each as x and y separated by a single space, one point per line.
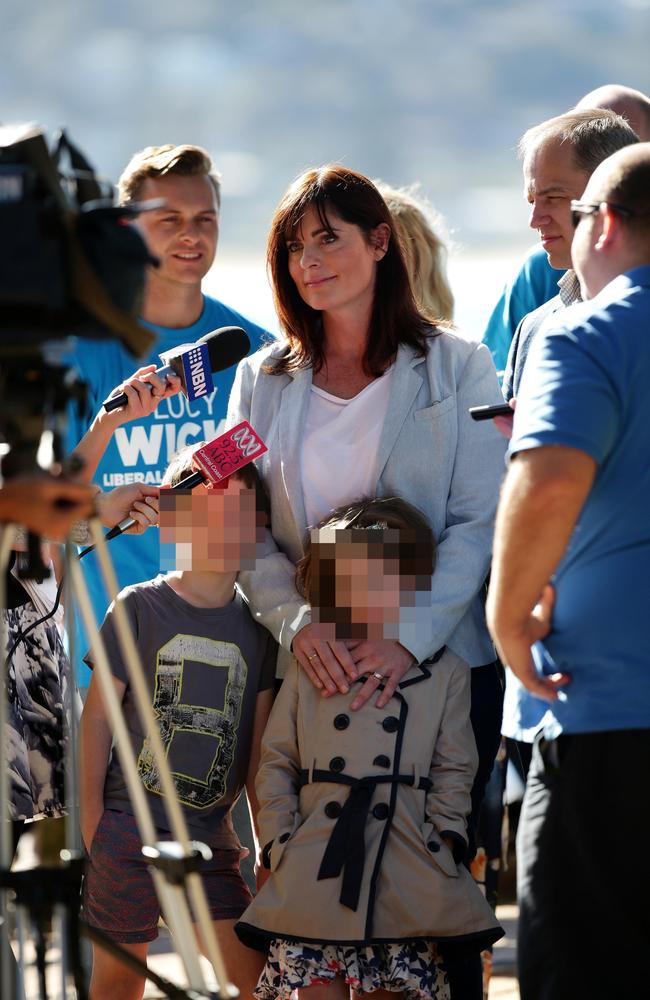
173 865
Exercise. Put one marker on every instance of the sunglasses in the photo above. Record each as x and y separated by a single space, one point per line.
580 208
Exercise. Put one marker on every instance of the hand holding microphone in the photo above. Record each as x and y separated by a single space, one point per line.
141 394
214 462
137 501
194 364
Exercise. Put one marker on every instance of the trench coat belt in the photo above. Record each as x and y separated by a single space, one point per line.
346 849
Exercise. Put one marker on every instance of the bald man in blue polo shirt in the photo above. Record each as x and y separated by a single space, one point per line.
575 508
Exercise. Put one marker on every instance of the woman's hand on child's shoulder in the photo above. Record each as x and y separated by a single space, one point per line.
386 662
327 663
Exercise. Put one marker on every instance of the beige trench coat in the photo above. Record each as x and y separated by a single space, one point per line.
363 799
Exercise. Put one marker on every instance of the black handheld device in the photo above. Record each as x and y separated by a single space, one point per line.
489 412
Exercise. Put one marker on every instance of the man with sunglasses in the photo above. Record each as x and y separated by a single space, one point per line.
575 507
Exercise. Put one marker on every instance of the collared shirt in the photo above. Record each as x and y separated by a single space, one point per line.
586 387
569 288
530 326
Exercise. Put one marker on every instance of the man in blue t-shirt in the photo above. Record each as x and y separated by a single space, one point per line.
183 235
575 504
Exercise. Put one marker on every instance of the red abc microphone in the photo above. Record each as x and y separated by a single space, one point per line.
214 462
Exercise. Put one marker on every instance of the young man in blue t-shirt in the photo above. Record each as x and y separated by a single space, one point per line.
182 235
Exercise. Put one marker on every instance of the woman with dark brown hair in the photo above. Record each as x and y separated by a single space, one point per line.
365 397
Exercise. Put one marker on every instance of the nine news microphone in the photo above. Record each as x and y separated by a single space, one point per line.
195 363
214 462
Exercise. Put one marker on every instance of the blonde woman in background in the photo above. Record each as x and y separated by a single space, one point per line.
421 232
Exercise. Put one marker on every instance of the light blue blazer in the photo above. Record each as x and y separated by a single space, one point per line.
431 453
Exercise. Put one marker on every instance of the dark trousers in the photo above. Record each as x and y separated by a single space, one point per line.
583 878
486 714
464 966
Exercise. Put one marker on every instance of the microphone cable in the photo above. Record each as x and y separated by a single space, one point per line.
22 635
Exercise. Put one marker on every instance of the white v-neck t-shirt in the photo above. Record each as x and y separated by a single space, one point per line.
338 460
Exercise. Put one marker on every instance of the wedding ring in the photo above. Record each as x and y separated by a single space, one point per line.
313 655
376 674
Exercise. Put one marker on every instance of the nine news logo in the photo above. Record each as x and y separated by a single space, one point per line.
197 374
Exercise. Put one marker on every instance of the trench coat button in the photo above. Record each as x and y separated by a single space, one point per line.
333 810
391 724
433 846
283 838
341 721
337 764
380 811
381 761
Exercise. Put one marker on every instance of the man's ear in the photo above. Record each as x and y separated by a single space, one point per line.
611 227
379 239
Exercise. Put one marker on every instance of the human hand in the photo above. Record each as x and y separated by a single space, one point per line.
90 817
383 657
541 617
45 504
327 663
144 390
504 424
133 500
514 650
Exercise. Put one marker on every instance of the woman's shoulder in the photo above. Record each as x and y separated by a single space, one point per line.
452 341
256 364
452 354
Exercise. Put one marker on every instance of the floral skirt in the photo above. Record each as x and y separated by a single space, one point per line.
413 968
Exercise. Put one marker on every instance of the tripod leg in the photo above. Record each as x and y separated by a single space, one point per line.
6 849
41 946
20 987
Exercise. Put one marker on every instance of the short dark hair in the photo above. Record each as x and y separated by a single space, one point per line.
395 317
165 161
390 527
180 467
593 134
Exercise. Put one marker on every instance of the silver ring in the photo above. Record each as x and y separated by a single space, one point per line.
312 655
376 674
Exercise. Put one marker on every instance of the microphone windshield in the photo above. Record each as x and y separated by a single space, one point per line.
226 346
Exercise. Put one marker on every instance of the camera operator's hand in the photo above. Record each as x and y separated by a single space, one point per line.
45 505
133 500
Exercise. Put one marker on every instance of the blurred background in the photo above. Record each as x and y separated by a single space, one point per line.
429 91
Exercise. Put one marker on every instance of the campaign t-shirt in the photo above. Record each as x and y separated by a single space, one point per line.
585 386
141 450
204 668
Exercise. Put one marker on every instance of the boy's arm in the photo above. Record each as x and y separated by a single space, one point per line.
95 740
144 389
263 705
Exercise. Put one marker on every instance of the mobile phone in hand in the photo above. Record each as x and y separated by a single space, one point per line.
489 412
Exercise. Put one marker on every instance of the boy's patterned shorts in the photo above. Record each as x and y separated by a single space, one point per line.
118 893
